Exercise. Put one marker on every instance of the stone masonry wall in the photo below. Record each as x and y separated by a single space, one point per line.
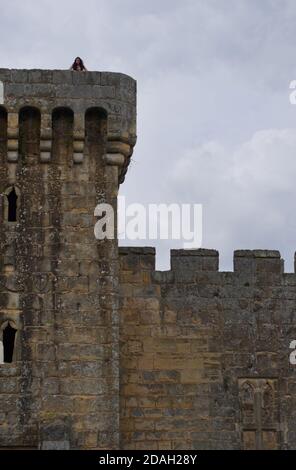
205 354
65 143
110 353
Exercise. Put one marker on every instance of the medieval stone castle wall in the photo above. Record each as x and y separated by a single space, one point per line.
205 354
107 352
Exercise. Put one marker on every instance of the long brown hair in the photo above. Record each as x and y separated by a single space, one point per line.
76 66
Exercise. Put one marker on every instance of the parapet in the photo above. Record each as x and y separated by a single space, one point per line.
137 259
196 260
186 264
79 92
256 261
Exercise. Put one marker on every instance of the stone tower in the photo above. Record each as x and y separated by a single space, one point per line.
65 142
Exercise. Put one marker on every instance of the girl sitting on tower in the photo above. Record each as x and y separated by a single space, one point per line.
78 65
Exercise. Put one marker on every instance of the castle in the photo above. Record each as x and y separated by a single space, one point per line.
98 350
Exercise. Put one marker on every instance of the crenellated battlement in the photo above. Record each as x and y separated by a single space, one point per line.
186 263
45 93
205 349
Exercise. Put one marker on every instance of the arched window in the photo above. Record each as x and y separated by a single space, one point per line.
96 125
96 132
267 403
8 330
29 134
11 204
247 394
62 135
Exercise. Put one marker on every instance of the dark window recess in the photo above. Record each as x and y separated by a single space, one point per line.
8 343
12 206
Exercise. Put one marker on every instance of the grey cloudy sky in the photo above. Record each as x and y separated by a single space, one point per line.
215 125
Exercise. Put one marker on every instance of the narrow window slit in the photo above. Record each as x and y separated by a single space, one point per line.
12 205
8 343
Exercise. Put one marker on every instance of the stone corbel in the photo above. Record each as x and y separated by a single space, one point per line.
114 159
119 147
12 137
45 138
118 154
79 137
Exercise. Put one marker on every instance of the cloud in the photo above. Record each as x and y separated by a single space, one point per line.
210 75
248 193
